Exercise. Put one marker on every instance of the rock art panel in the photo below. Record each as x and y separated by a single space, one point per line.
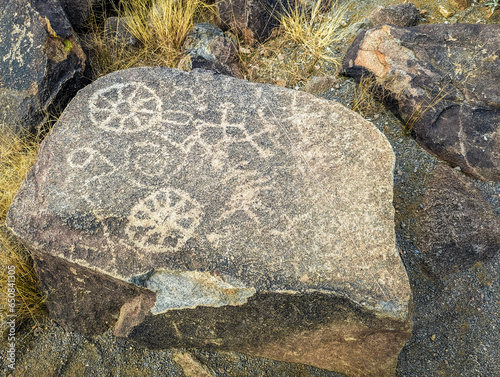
441 81
42 62
232 201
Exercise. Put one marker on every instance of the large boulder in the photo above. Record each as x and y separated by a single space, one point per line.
220 214
42 62
442 81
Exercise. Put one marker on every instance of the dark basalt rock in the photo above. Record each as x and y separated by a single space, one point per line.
253 20
403 15
458 226
42 65
442 81
248 217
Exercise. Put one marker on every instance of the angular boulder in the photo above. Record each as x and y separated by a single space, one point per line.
42 62
442 80
199 210
207 47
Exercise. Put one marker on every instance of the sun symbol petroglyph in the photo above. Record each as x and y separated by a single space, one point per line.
128 107
164 220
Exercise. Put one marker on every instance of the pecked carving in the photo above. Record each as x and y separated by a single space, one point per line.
130 107
206 172
165 219
222 208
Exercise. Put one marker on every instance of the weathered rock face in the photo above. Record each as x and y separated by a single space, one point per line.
116 32
458 227
79 12
242 216
442 80
253 20
404 15
42 61
207 47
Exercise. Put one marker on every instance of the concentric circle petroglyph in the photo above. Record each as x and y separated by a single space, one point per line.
164 220
130 107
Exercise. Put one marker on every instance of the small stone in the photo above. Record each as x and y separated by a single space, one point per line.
399 15
433 337
320 84
445 11
207 47
117 33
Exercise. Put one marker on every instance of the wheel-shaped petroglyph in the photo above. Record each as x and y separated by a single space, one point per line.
164 220
128 107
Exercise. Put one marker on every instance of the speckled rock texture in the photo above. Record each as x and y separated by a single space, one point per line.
240 216
458 226
207 47
442 81
404 15
42 62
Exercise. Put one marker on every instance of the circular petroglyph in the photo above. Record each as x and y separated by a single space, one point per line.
164 220
128 107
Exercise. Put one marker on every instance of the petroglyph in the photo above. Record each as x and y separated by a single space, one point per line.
203 172
165 219
128 107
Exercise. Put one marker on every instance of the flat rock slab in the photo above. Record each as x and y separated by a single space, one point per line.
221 214
42 62
442 80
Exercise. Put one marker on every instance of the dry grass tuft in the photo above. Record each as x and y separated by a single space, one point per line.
309 42
366 96
160 26
17 154
316 32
